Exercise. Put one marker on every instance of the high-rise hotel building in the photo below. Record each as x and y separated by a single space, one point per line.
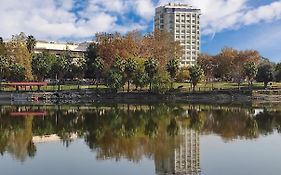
183 22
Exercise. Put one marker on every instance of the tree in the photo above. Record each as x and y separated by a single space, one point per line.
17 72
4 69
183 75
2 47
140 79
115 76
90 56
41 65
114 80
130 68
265 73
30 43
196 74
161 83
161 46
97 67
172 68
208 64
17 53
59 69
250 70
151 69
75 68
278 72
224 63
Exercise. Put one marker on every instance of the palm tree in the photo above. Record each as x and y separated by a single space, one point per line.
151 69
30 43
172 67
97 67
196 74
130 68
251 70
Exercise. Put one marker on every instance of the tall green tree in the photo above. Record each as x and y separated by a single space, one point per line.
4 69
59 68
17 53
42 65
115 76
140 79
75 68
90 56
151 69
30 43
265 73
278 72
2 47
97 67
130 68
114 80
250 70
172 68
17 72
196 74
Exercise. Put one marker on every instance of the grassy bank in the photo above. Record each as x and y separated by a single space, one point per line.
183 87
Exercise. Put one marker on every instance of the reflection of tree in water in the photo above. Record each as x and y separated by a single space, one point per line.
131 131
17 140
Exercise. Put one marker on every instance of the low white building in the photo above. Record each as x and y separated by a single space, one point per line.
76 50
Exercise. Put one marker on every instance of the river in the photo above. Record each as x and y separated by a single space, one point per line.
123 139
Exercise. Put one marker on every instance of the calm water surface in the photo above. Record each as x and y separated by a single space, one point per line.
140 140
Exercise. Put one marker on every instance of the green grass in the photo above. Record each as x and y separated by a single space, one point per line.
186 86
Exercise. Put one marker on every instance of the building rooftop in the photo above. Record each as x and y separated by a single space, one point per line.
45 45
179 7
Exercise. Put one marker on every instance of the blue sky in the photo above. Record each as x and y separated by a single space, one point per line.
242 24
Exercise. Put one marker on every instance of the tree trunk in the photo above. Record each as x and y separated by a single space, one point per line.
128 90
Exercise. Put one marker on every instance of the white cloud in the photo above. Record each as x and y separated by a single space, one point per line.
264 13
54 19
145 8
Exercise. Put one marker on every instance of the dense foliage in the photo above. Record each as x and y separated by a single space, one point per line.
115 59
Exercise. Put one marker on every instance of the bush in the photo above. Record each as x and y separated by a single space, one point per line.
114 80
183 75
161 83
140 79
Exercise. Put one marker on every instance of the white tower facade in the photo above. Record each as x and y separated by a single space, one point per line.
183 22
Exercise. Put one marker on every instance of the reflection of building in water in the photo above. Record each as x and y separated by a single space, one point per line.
185 158
51 138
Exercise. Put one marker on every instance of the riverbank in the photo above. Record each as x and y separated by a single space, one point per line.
87 96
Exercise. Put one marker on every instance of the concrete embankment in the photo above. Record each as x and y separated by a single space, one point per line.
86 96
